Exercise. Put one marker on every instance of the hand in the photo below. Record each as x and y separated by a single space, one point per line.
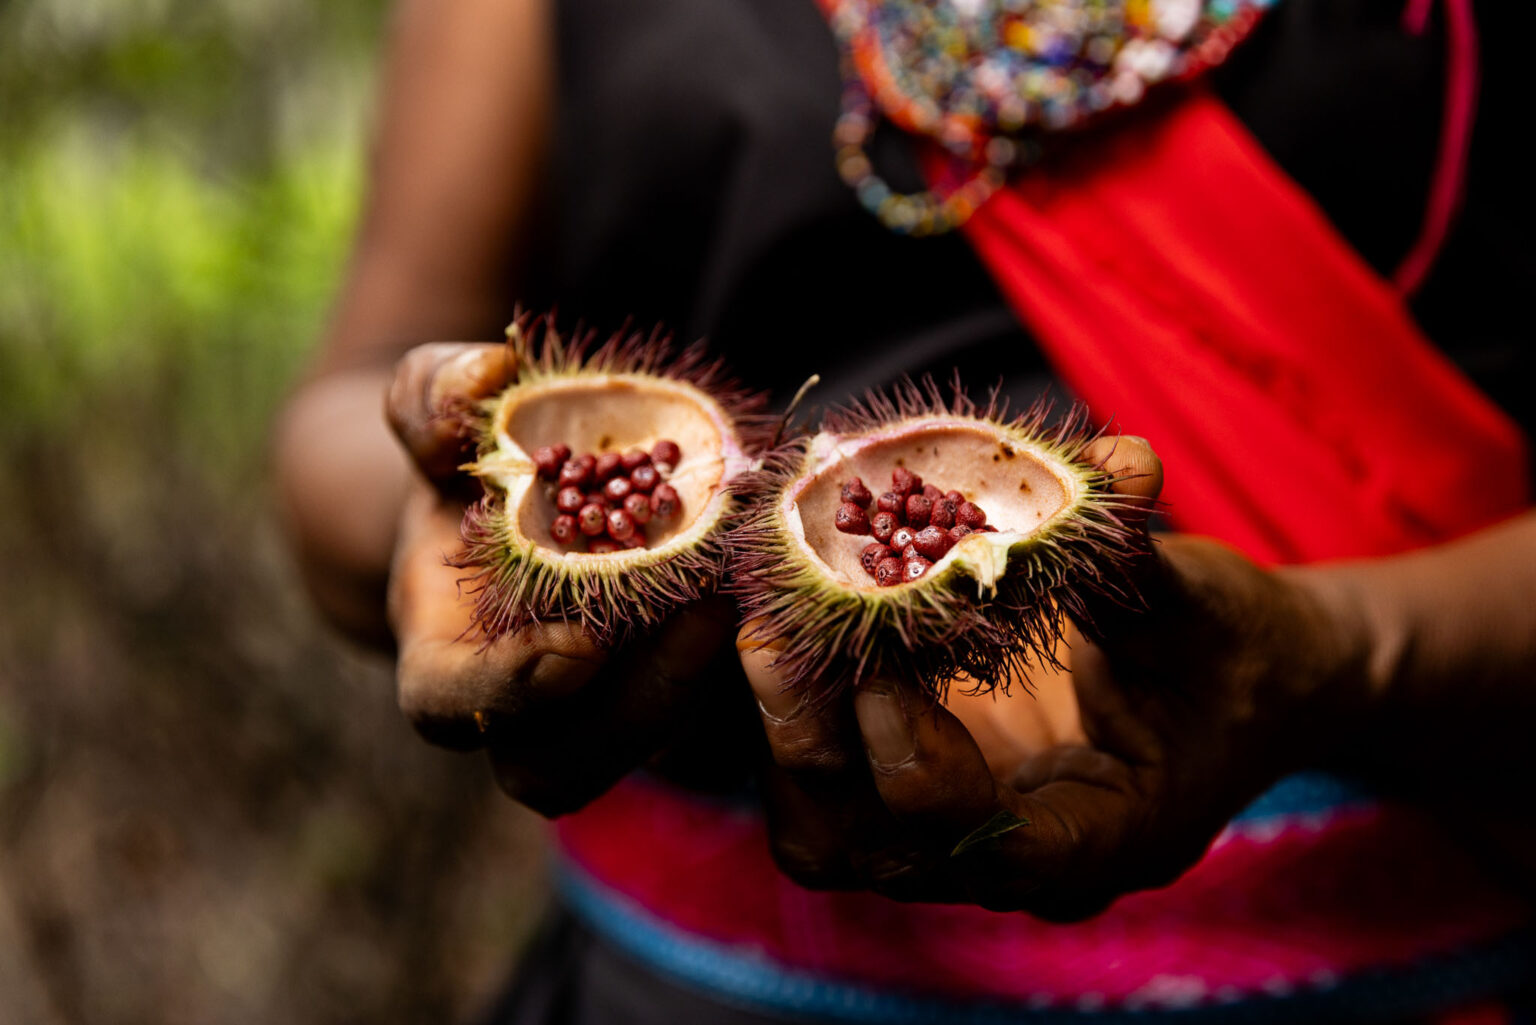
561 719
1186 712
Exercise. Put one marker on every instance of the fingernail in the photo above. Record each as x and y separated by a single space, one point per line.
554 674
778 700
780 703
883 721
753 636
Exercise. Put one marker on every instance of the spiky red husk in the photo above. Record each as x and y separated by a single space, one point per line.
513 586
940 629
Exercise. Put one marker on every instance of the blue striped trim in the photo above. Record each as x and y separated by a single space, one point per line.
742 976
1301 796
1304 795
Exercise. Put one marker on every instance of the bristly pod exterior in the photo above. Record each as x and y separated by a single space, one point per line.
992 603
632 394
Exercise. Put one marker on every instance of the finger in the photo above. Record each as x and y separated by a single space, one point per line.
809 735
821 807
935 782
433 390
448 679
559 753
1078 850
927 768
1048 852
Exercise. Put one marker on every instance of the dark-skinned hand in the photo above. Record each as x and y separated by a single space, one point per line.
1183 713
561 719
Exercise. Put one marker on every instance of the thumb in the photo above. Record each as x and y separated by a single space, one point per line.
432 395
1136 476
1136 470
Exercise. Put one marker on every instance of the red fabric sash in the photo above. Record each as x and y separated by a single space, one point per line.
1182 285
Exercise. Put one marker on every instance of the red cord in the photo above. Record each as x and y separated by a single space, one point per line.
1449 180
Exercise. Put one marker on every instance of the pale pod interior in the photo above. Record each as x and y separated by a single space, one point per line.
1018 485
614 413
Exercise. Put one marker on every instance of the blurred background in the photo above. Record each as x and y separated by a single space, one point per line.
210 810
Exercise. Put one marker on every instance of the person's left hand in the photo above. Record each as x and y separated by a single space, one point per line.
1234 676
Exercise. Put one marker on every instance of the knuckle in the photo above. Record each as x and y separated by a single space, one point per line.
534 790
809 867
406 397
434 710
417 691
1070 907
889 868
808 756
999 899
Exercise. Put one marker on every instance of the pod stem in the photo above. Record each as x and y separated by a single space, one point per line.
789 411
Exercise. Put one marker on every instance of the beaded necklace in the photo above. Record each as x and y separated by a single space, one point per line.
985 79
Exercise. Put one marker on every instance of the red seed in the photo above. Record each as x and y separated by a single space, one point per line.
618 489
573 473
608 464
986 528
603 546
665 503
634 459
548 460
932 493
621 525
932 542
851 519
638 506
854 491
883 524
569 500
958 531
904 481
888 572
915 568
971 515
873 553
635 540
564 529
955 497
592 520
892 503
645 478
909 553
919 509
901 537
943 515
596 498
588 460
666 453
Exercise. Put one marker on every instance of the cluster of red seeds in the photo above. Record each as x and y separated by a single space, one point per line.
914 525
608 499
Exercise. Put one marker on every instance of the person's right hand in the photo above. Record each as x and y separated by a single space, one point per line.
561 719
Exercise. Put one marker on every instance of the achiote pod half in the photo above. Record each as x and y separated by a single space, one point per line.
607 472
989 530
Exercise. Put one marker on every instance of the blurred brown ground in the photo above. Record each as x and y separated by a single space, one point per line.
210 809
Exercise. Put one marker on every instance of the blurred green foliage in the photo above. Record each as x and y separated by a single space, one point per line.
210 810
176 185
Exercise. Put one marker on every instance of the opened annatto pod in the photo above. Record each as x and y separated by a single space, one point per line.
960 569
607 471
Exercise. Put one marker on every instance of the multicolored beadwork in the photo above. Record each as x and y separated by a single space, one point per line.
985 79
